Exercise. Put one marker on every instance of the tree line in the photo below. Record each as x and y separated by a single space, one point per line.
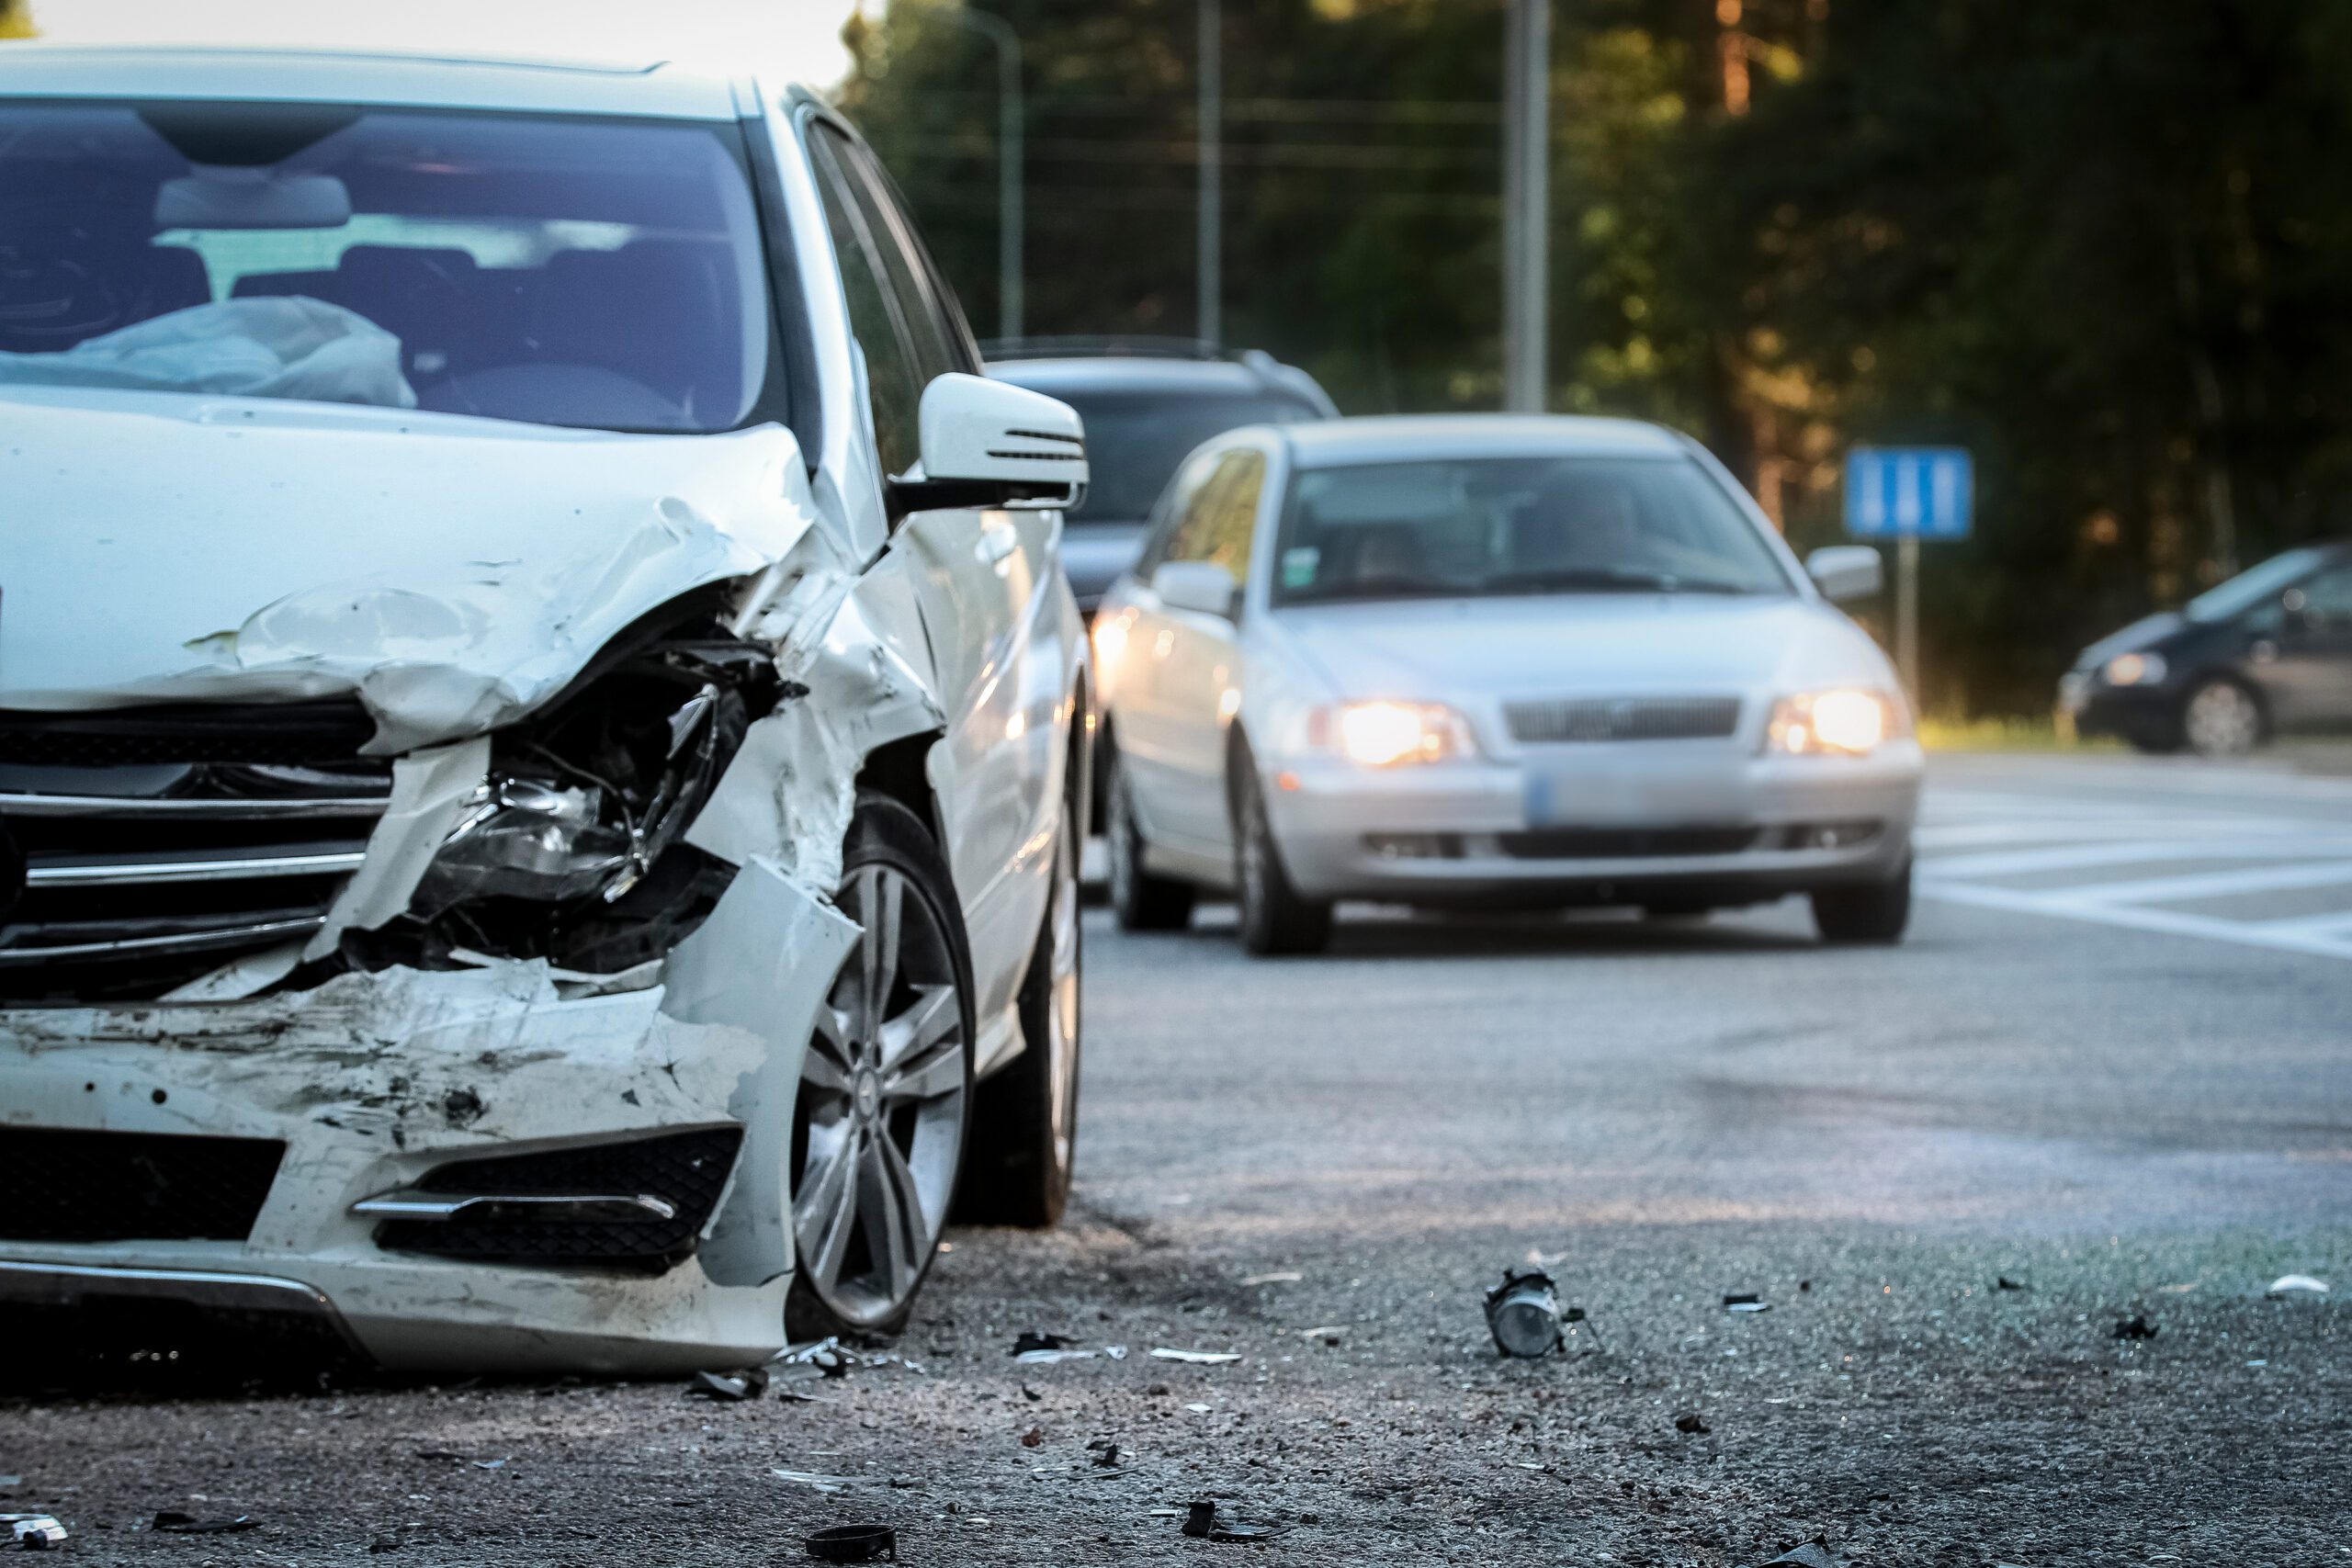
2105 245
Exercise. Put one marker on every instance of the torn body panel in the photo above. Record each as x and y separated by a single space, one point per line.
371 1081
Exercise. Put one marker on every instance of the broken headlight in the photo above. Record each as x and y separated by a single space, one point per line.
570 848
528 838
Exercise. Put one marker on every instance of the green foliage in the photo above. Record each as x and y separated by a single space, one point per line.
2107 247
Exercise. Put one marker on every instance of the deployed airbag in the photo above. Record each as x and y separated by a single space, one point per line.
291 347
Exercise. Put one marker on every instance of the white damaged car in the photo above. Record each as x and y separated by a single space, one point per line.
541 725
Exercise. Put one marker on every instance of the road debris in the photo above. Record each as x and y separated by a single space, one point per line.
1034 1437
1197 1357
811 1478
1524 1315
1105 1453
34 1532
735 1389
171 1521
2002 1283
1281 1277
1813 1553
1691 1424
1048 1358
855 1543
1031 1342
1201 1521
2136 1327
1199 1409
2296 1285
1745 1301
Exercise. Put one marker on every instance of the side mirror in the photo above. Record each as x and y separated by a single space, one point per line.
988 444
1846 571
1201 586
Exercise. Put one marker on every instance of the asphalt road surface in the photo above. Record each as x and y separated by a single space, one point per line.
2112 1067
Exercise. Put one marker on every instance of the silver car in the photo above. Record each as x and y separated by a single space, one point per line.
1492 661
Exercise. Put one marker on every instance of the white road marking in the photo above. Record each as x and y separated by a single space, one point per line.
1976 838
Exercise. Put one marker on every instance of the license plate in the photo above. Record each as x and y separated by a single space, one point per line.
1595 792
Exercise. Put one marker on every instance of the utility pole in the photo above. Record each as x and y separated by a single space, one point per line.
1009 216
1527 193
1210 230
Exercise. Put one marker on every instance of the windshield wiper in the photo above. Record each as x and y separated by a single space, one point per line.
1608 580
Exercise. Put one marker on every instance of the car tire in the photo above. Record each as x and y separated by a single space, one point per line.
1142 900
1024 1120
1864 913
879 1124
1275 919
2221 719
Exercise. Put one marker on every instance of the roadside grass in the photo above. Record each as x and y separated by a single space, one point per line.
2007 734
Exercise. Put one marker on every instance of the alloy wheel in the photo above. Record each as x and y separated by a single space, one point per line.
2221 720
880 1126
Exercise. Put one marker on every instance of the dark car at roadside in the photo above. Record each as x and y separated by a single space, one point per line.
2265 654
1147 403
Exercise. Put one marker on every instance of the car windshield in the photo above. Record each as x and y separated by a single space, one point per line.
1134 439
1503 525
575 272
2252 587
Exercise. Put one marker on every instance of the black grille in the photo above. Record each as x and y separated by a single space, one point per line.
282 735
687 1169
1622 718
66 1186
1625 843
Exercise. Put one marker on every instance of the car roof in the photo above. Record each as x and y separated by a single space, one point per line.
1140 373
1407 438
651 87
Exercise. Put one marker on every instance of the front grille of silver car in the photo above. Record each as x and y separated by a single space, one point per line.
158 844
1621 718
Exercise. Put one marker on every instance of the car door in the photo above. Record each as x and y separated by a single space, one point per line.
2310 681
971 575
1197 675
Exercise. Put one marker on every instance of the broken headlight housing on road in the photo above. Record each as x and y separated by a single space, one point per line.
572 848
1841 723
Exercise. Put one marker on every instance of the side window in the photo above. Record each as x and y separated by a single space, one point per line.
894 378
2327 598
914 276
1169 514
1223 517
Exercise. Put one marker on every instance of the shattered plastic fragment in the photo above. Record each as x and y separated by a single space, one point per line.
811 1478
741 1386
1201 1522
1032 1340
1812 1554
34 1532
1691 1424
2136 1327
1282 1276
171 1521
1197 1357
2296 1285
855 1543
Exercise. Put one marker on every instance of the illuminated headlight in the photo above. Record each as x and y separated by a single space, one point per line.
1839 722
1111 640
2134 669
1381 735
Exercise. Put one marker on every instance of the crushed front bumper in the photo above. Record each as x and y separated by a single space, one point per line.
372 1081
1659 821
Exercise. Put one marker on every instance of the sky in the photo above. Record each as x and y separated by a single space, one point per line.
796 38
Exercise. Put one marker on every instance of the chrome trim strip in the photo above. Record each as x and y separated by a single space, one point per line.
183 942
409 1205
64 1284
20 804
112 874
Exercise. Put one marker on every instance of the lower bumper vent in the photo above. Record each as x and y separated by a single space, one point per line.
73 1186
573 1223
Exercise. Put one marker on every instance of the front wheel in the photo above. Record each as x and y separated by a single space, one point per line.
1275 919
2222 719
886 1084
1865 912
1024 1129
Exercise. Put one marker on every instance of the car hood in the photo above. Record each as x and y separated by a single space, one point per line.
2142 633
1571 644
449 573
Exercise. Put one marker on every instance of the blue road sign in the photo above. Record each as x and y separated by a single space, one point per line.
1921 492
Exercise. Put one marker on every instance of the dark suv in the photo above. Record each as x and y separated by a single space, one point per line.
1147 402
